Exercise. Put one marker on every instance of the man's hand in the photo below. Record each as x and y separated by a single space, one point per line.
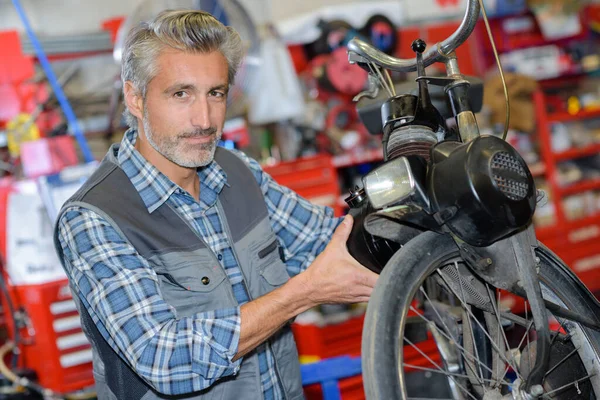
335 276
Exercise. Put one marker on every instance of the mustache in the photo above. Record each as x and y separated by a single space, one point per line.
199 132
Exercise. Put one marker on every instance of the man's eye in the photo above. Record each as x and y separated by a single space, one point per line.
180 94
215 93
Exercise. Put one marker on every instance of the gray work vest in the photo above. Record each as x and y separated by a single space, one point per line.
190 277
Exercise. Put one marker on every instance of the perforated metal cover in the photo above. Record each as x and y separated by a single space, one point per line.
463 284
504 167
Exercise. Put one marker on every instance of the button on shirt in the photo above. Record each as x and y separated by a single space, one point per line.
106 271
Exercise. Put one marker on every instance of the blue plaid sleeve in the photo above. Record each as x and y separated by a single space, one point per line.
121 293
303 228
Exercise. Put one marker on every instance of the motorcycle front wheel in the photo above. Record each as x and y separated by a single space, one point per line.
427 294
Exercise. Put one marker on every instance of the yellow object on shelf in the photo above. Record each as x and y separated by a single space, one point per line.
21 128
309 359
573 105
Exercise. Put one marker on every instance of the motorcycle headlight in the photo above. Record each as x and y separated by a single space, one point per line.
390 183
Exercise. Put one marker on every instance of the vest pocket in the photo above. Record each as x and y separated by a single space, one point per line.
266 258
193 277
193 286
275 274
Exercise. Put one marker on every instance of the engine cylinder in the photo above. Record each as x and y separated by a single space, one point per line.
411 140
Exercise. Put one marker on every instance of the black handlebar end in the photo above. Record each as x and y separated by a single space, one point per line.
419 46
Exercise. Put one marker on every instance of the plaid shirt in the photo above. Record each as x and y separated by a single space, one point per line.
121 292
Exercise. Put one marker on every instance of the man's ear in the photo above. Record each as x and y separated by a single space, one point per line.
133 100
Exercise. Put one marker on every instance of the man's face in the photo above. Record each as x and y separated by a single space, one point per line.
185 104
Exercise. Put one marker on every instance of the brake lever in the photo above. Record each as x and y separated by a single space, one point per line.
372 91
354 58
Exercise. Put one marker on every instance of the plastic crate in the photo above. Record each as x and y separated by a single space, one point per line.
341 378
333 379
331 353
320 342
314 178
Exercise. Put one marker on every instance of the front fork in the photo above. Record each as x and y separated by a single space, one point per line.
494 264
524 245
521 247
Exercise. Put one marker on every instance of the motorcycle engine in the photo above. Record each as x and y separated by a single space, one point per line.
410 128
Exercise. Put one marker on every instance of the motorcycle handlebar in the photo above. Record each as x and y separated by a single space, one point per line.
432 54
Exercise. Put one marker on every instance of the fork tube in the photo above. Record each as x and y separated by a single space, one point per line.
465 119
458 94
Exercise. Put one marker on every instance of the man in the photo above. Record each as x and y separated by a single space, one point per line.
173 246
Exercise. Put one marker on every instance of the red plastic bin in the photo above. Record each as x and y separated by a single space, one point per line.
319 342
314 178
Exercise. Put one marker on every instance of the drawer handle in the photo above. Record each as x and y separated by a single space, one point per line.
585 233
587 264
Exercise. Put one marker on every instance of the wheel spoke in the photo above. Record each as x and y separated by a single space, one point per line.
500 329
447 336
494 346
561 361
562 326
515 318
444 372
498 360
480 377
568 385
465 352
437 366
504 373
496 311
437 371
528 343
425 398
525 335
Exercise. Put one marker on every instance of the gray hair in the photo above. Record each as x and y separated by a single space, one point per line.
185 30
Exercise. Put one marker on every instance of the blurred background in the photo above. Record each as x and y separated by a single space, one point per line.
291 109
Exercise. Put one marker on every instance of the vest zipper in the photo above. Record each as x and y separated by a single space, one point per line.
221 213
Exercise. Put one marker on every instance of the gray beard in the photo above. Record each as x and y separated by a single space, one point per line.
168 148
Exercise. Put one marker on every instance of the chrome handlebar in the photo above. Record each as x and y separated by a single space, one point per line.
361 51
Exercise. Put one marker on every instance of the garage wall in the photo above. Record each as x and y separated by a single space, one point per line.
73 16
63 16
282 9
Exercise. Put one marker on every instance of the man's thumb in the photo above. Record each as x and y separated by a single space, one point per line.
343 230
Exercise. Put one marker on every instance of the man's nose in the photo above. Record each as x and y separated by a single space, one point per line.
201 114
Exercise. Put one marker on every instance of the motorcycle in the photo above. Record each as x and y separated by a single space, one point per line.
447 222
